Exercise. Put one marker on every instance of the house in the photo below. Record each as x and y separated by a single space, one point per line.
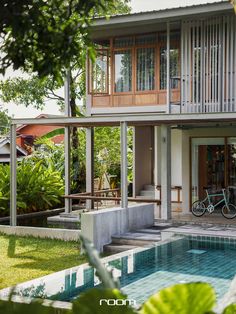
174 70
171 76
5 151
26 134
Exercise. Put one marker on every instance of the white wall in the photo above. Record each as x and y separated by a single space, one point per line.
176 157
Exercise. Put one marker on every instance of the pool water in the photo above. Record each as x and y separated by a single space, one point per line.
145 272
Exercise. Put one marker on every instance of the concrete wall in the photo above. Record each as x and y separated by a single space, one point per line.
62 234
99 226
176 158
143 157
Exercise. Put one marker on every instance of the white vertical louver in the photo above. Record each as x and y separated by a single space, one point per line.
208 51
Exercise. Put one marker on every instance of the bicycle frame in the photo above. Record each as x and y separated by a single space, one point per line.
208 198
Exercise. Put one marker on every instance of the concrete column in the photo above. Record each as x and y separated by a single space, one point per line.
90 165
185 172
13 178
165 172
157 159
168 87
124 165
67 147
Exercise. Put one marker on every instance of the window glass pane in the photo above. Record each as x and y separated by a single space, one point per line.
146 39
100 73
174 68
145 77
163 68
123 42
123 71
208 165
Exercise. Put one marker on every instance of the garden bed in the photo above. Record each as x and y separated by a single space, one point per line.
23 259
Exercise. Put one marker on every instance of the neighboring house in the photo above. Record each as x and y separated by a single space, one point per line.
26 134
172 75
5 151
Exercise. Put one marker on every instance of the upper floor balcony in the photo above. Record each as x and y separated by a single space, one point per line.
184 66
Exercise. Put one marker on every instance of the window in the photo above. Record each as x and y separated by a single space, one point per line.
145 68
174 68
123 71
122 42
99 73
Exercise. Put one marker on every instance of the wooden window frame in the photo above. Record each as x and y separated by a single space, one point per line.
113 71
90 76
111 65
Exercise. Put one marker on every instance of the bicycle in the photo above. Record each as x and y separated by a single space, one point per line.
199 207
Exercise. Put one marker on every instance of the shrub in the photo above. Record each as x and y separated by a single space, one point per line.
38 187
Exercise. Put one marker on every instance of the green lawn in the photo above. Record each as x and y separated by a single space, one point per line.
24 258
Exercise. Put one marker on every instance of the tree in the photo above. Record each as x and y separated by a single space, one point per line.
47 37
38 88
4 122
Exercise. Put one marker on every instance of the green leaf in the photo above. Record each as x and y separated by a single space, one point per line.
231 309
194 298
103 274
54 133
89 302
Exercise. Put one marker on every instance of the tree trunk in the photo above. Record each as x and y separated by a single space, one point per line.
74 139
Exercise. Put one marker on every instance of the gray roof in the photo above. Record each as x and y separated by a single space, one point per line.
154 20
6 140
207 4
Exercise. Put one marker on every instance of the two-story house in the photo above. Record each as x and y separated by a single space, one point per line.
172 74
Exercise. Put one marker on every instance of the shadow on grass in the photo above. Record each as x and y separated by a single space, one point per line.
43 254
11 247
53 264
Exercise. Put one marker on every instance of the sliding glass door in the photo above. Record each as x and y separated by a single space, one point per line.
208 165
213 165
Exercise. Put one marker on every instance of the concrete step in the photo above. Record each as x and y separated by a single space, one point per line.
147 193
117 248
136 238
149 187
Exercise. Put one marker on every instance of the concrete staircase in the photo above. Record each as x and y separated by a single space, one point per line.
147 192
132 240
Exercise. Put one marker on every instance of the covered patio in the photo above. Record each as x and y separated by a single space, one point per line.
164 122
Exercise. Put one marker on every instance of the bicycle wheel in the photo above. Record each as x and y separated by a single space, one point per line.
198 208
229 211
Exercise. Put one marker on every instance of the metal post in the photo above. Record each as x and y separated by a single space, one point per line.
68 207
222 66
90 165
165 172
13 178
124 164
203 66
168 87
182 66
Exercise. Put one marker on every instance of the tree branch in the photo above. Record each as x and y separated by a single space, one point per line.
54 95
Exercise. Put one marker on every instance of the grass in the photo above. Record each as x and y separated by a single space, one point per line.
23 259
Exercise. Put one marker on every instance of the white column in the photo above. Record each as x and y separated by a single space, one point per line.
90 165
185 172
157 159
165 172
13 178
124 164
68 207
168 87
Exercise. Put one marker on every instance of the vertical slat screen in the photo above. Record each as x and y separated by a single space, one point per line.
208 68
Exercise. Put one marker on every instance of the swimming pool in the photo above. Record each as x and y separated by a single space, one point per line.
143 272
